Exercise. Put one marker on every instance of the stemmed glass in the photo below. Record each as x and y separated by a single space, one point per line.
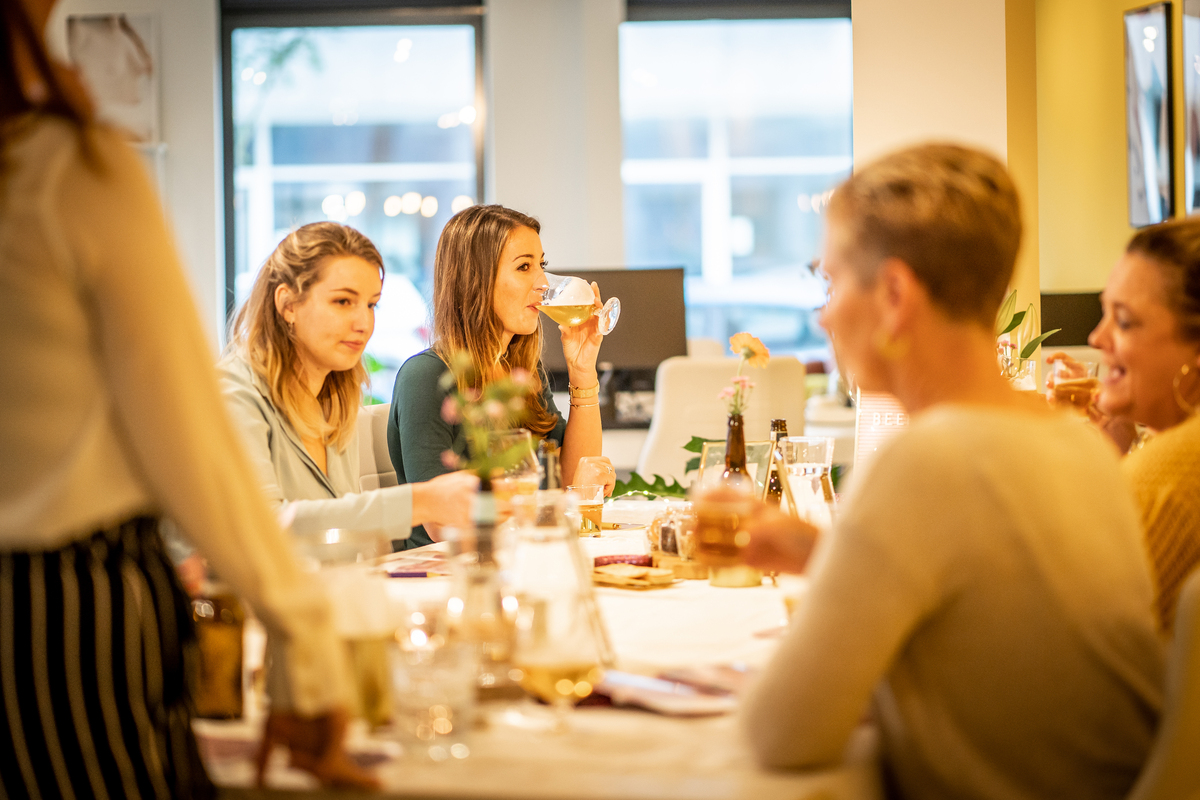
569 301
559 649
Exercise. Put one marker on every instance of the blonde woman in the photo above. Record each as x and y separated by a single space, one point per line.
111 419
487 283
293 381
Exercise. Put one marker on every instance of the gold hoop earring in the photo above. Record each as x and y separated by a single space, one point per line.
1188 408
890 348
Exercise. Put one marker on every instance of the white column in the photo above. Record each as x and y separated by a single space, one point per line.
555 123
928 69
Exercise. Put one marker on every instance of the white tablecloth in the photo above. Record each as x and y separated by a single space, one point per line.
616 753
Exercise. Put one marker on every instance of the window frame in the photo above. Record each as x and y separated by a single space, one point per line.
232 20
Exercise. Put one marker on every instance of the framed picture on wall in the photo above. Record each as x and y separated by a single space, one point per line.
1191 105
1148 119
117 54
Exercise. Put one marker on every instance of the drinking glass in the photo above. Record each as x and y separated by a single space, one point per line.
434 683
591 507
570 301
722 510
809 464
1074 383
521 477
560 646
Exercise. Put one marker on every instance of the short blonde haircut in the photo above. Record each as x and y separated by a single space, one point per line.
950 212
267 342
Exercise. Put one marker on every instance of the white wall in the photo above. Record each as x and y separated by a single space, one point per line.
190 114
555 123
928 69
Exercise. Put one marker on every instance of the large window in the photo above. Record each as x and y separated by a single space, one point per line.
735 131
376 126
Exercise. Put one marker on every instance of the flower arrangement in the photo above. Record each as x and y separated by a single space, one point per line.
500 405
1017 336
752 352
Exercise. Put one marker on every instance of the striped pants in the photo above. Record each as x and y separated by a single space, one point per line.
93 698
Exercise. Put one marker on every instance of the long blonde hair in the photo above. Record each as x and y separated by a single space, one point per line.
268 343
464 316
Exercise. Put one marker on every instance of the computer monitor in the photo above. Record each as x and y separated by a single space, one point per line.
652 326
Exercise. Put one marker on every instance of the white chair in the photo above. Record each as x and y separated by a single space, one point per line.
705 348
1173 770
686 405
374 464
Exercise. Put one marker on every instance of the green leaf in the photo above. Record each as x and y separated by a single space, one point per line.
639 485
696 445
1014 322
372 364
1028 350
692 465
1003 325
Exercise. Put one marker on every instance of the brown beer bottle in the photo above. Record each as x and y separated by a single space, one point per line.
774 480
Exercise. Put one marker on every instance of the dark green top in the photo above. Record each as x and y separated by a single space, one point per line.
417 435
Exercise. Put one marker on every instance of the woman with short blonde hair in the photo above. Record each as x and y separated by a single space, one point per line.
984 589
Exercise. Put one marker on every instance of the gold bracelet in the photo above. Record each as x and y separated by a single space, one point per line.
585 405
583 394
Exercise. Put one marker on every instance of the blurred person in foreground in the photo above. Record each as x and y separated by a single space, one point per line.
1149 339
985 588
293 378
488 277
111 417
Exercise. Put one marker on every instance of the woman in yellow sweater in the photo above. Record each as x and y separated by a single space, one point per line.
1150 340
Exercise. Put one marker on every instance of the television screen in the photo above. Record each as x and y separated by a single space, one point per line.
652 326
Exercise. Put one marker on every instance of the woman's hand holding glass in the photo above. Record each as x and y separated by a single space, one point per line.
779 542
596 470
581 347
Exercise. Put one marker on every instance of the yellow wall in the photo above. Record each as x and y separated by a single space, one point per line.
1020 44
1083 204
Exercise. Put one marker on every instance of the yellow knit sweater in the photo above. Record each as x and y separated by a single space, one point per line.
1165 475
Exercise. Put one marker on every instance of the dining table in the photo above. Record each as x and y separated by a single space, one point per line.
608 752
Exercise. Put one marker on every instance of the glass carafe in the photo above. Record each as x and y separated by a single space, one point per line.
808 493
560 646
569 301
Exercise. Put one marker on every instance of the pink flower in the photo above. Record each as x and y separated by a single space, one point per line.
449 460
520 376
726 393
494 409
743 382
450 411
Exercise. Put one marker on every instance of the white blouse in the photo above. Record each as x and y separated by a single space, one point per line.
109 405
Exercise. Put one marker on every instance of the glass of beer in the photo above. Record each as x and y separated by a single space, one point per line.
569 301
591 507
722 511
1074 383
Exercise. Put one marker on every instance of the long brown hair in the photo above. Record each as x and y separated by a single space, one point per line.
59 90
464 317
268 343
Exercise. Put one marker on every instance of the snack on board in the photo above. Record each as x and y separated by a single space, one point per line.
632 576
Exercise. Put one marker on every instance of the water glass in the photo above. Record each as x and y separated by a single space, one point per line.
590 498
434 683
808 494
